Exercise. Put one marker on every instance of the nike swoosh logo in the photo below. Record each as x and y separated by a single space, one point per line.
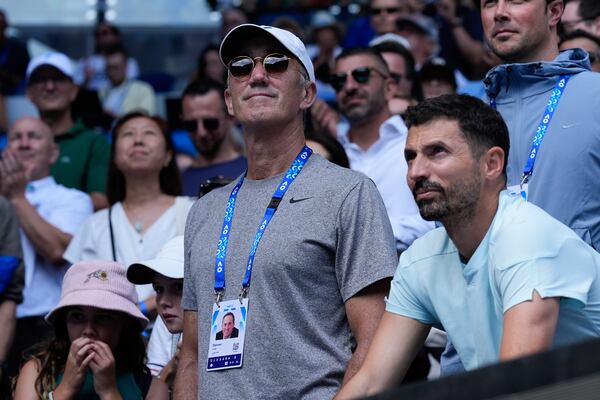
293 200
567 126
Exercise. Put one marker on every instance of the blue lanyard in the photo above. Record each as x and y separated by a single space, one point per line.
283 186
542 128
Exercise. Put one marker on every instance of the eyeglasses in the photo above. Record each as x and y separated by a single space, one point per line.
242 66
387 10
209 124
360 75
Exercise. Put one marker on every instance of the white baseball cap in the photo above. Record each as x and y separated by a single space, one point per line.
230 45
57 60
390 38
168 262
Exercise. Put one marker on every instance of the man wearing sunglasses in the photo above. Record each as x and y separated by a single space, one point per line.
375 139
384 14
204 116
320 260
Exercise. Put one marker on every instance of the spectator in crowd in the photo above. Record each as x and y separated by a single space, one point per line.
145 209
165 273
230 18
395 51
422 34
566 166
205 117
49 215
461 38
385 13
583 40
331 226
375 138
327 146
12 279
210 66
583 15
437 78
514 281
98 350
124 95
13 60
83 157
91 71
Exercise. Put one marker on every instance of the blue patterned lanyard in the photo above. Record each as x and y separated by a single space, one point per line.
283 186
542 128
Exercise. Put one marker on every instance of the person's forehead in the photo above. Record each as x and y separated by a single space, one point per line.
47 70
209 102
29 125
439 130
386 3
395 62
583 43
356 61
165 280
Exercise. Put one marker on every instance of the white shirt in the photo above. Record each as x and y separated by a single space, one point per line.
92 241
161 347
66 209
384 163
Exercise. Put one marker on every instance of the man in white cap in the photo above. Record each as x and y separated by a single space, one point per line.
314 241
83 160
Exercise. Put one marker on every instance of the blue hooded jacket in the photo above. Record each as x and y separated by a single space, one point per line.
566 176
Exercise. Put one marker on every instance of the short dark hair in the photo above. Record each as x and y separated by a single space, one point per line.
481 125
169 179
229 313
116 49
364 51
397 48
437 71
579 34
200 87
589 9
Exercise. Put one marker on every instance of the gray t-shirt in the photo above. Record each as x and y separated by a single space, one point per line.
315 254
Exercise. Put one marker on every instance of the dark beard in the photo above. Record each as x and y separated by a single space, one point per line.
455 203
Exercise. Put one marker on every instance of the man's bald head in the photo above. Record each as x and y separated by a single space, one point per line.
33 143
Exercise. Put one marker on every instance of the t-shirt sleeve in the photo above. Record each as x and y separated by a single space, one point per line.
83 245
568 275
366 251
71 211
403 300
97 170
189 301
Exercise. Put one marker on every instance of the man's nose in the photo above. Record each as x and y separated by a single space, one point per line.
258 74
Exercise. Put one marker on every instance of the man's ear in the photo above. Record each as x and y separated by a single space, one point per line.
73 92
555 11
494 162
54 153
310 95
228 102
389 89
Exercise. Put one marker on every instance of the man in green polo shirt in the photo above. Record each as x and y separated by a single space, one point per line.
84 154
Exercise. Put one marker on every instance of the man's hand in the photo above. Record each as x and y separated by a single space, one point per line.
13 177
324 118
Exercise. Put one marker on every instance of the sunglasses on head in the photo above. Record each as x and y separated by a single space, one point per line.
242 66
360 75
210 124
387 10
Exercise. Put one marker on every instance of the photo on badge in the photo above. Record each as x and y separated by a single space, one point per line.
227 334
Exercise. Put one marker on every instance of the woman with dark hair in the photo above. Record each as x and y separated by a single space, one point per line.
210 66
143 187
98 350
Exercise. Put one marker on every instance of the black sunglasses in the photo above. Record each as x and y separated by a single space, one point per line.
387 10
242 66
191 125
360 75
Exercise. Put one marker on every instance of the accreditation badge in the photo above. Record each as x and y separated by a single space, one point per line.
227 334
518 190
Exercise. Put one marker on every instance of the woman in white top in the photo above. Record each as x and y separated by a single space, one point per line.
145 212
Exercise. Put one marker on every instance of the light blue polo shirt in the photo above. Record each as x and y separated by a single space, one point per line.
524 250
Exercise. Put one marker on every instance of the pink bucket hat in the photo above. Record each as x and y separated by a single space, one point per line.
101 284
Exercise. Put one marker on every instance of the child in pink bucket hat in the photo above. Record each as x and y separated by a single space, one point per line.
98 350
